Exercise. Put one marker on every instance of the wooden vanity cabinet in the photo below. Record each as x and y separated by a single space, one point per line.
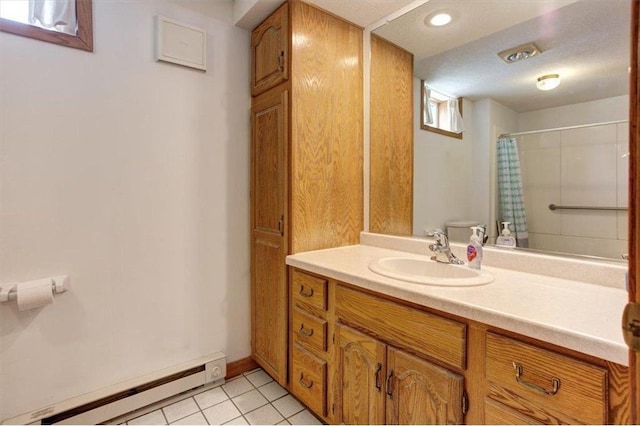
380 384
306 165
363 358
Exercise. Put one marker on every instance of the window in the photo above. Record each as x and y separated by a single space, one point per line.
31 18
440 113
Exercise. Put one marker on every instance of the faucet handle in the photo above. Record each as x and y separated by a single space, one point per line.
439 235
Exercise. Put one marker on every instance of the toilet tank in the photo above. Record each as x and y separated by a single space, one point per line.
459 230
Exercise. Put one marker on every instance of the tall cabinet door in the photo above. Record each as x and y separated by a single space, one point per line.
269 300
270 51
361 373
420 392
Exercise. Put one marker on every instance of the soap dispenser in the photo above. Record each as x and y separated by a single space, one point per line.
474 249
506 239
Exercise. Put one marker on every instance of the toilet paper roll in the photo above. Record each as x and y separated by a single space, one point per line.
33 294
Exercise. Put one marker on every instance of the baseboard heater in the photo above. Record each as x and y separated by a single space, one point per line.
122 398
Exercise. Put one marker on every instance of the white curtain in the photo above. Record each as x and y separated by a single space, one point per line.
427 118
58 15
455 118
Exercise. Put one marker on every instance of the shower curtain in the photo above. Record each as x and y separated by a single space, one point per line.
510 189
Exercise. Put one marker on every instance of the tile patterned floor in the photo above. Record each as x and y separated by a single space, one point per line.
252 398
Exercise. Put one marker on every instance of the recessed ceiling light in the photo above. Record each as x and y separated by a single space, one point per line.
440 18
548 82
519 53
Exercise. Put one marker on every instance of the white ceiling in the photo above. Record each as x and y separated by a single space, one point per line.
585 41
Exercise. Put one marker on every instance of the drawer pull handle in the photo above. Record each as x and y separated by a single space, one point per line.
377 376
303 384
304 293
389 383
305 332
555 383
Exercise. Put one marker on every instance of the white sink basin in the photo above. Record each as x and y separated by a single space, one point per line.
429 272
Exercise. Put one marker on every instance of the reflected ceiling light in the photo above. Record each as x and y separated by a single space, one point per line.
548 82
519 53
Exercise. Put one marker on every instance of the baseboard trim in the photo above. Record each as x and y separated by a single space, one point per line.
240 366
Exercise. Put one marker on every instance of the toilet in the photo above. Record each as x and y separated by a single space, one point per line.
459 230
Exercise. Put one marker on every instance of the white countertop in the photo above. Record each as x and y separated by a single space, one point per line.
573 314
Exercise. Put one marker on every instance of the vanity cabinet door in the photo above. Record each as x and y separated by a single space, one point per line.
270 48
419 392
361 375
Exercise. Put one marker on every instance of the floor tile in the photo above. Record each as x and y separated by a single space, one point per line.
259 378
238 421
152 418
288 406
211 397
180 409
304 418
237 386
249 401
194 419
284 422
272 391
266 415
221 413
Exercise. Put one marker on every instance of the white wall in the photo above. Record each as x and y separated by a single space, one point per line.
577 167
442 172
132 177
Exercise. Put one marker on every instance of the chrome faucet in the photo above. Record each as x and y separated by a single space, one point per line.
441 248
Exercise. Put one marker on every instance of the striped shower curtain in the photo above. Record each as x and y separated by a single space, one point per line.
510 190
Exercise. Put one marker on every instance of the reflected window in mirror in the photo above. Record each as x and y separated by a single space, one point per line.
63 22
440 113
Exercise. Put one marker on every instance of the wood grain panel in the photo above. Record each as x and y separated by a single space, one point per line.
269 51
391 150
308 330
326 133
416 331
308 381
361 363
308 290
583 388
619 394
498 414
422 393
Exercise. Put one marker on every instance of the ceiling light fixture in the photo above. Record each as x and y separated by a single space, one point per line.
548 82
519 53
440 18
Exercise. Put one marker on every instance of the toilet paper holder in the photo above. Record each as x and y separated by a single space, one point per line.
59 284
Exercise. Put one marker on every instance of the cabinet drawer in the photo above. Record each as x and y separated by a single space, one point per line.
310 290
498 414
551 381
417 331
308 380
309 330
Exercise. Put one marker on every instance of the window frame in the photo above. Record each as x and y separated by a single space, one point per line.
83 39
434 129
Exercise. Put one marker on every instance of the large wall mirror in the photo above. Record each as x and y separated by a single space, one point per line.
570 143
63 22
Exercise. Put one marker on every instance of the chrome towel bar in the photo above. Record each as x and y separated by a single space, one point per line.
553 207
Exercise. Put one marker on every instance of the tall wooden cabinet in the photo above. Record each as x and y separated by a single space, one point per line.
306 185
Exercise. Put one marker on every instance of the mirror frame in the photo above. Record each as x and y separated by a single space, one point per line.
83 40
